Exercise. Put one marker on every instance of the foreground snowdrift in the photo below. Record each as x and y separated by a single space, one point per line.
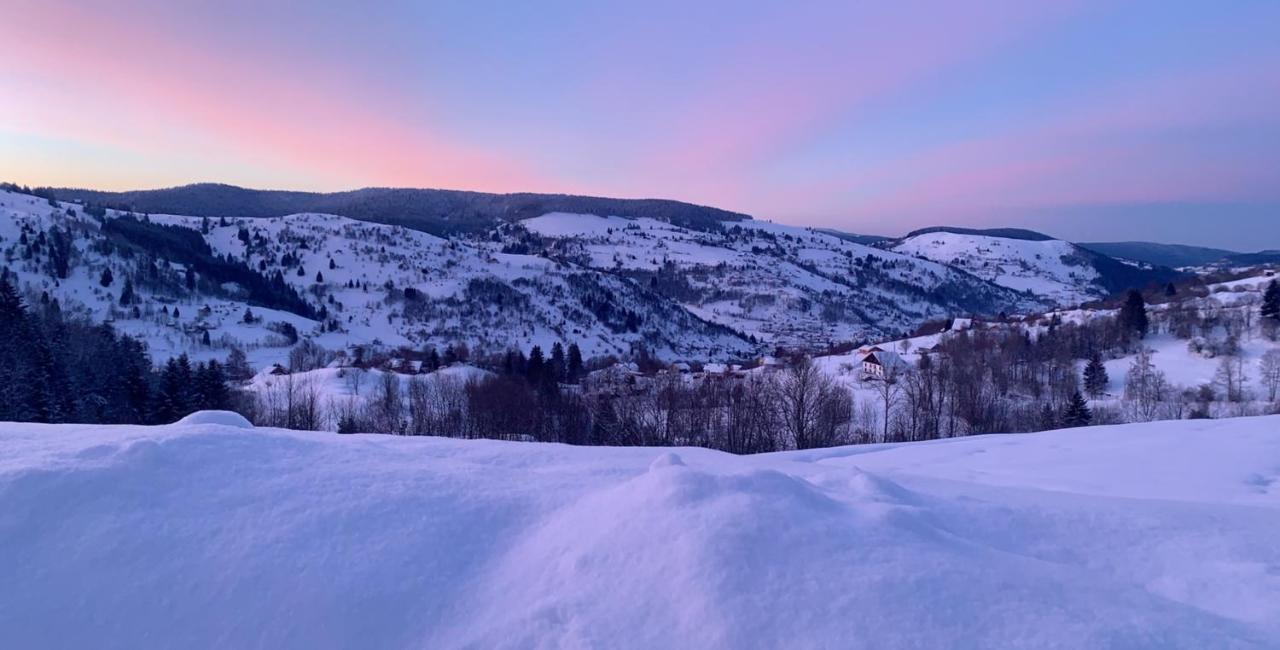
209 534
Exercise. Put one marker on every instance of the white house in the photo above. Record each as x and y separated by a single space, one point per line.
877 363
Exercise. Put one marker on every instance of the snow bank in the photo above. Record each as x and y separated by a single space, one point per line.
204 535
219 418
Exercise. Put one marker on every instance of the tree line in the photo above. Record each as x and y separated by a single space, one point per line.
58 369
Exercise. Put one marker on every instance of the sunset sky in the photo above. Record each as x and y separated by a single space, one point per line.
1088 120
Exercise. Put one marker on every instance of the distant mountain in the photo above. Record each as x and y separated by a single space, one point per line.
1171 255
1031 262
439 212
1253 259
1002 233
866 240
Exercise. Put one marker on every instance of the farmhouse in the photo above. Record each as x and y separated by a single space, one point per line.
878 363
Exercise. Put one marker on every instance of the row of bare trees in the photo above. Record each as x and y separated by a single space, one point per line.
799 407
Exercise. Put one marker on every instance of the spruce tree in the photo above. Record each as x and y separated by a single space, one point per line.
126 294
556 365
1271 302
536 365
1077 413
1095 377
319 278
1133 314
574 370
106 278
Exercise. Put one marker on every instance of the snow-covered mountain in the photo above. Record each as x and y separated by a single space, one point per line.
207 533
780 284
611 284
336 280
1030 262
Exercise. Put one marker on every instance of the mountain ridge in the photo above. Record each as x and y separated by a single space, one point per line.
436 211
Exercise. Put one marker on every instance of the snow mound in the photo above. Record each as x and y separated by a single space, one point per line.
1135 536
666 460
220 418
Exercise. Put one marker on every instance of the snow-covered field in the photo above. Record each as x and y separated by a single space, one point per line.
210 534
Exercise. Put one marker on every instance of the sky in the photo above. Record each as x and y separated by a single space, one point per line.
1089 120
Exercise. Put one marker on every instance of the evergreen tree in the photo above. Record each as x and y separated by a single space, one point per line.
204 338
1077 413
176 397
450 356
319 278
1133 314
332 265
536 365
126 294
106 278
1271 302
432 362
1170 290
574 370
211 386
556 365
191 279
1095 377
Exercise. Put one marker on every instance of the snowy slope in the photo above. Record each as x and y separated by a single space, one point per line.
781 284
1050 268
468 291
209 534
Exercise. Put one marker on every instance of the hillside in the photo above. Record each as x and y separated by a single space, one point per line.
779 283
207 534
674 292
1059 271
1171 255
439 212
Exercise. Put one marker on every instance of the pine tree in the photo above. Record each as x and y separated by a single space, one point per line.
574 371
126 294
1133 314
535 366
204 338
556 365
1077 413
319 278
1271 302
191 279
106 278
332 265
1095 377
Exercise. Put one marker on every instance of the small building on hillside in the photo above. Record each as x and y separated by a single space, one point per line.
880 363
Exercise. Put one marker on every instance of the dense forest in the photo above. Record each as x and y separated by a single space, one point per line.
55 369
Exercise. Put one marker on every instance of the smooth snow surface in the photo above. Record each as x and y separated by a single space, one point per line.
1159 535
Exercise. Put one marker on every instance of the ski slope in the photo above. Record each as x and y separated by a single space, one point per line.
209 533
